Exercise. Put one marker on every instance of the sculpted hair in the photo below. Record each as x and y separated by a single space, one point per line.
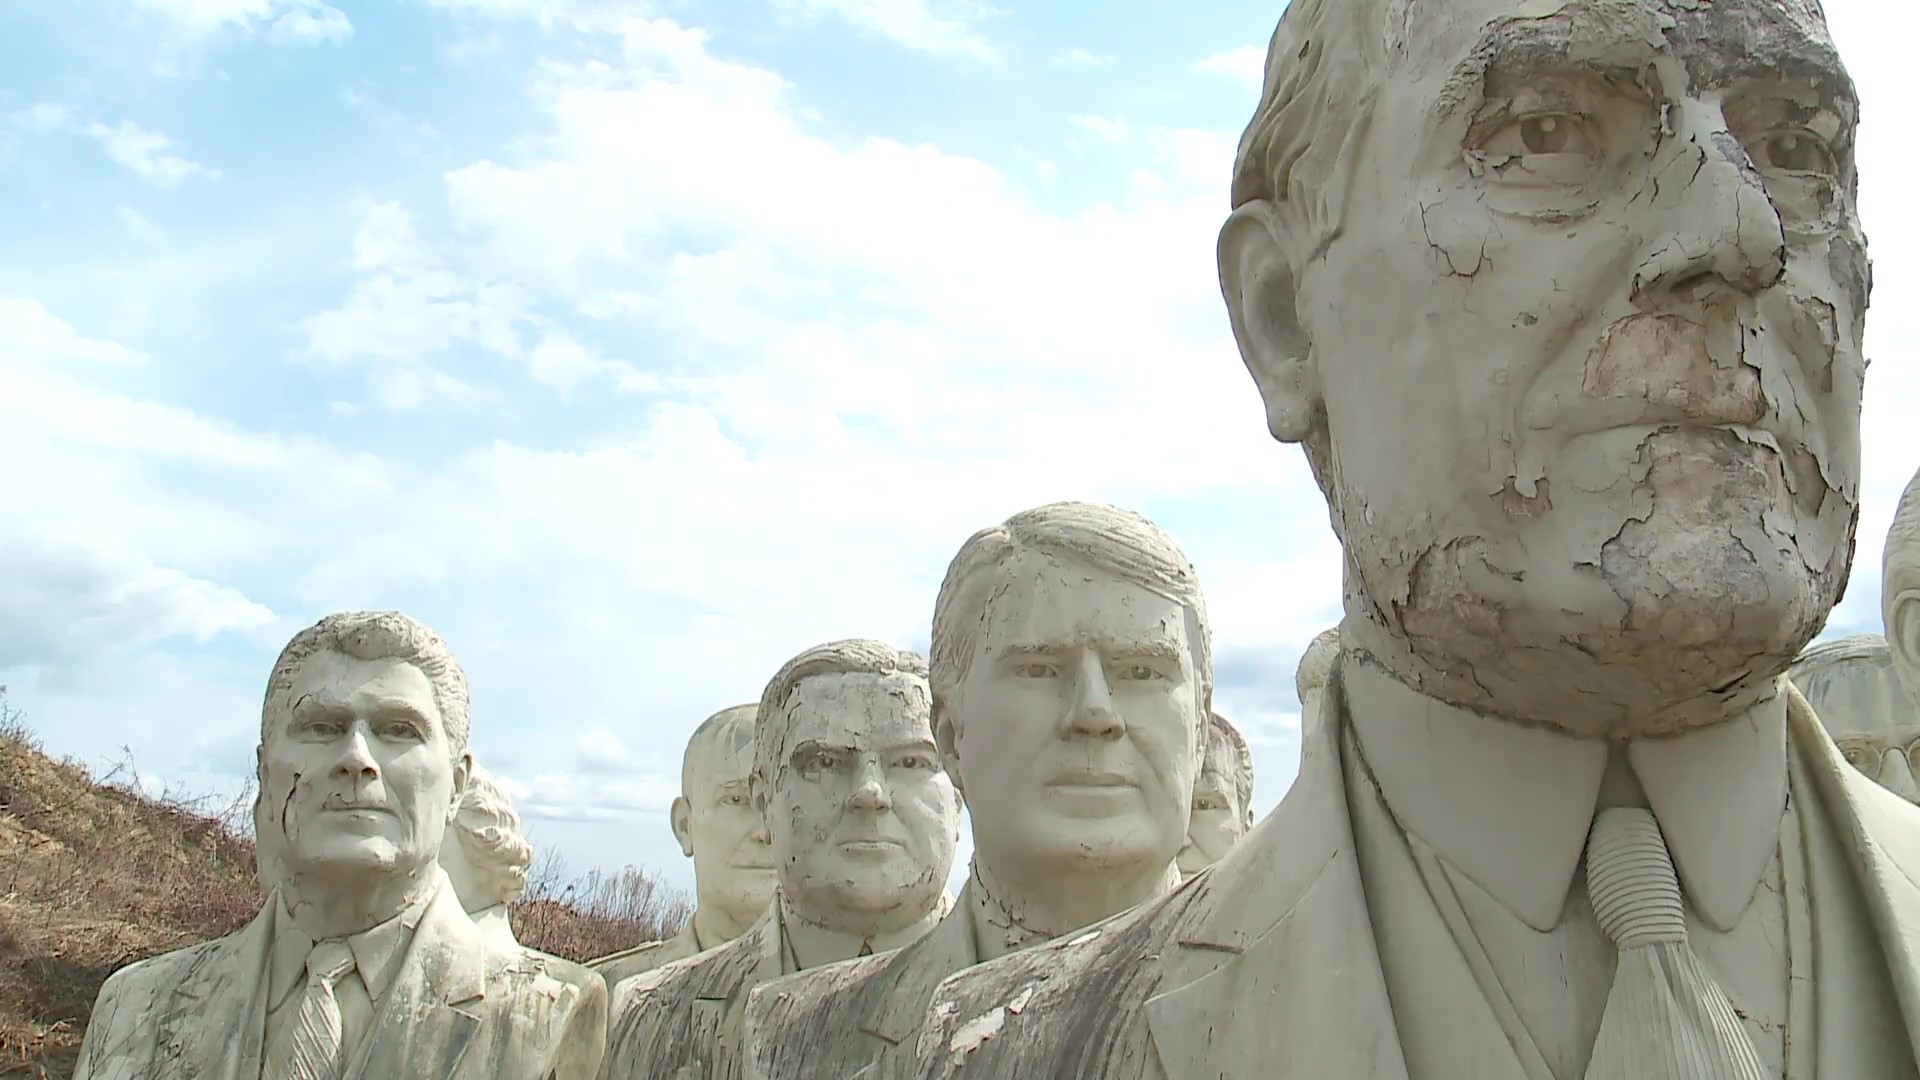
375 635
855 656
1900 561
1316 664
489 832
1324 68
1119 542
712 730
1235 757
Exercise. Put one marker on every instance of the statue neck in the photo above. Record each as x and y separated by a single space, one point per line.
332 904
811 945
715 925
1012 912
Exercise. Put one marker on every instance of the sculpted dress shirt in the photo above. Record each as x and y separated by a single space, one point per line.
377 956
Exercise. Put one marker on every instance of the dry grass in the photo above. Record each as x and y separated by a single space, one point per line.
95 874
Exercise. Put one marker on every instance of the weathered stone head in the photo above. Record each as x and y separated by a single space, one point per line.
489 856
1900 591
1072 676
1311 677
1222 799
846 776
716 823
363 762
1853 688
1564 302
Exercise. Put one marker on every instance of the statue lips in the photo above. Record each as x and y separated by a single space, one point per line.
1092 793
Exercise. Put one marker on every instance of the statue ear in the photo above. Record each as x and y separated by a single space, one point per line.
1258 281
681 818
1903 630
945 738
462 773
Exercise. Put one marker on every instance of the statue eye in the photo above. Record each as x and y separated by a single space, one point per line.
1142 673
1794 150
1861 756
1542 133
1034 669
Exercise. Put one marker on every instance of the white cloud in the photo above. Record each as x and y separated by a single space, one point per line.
30 334
301 22
1246 65
1083 58
146 154
1104 128
909 23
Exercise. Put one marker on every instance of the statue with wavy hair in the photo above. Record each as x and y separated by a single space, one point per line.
488 857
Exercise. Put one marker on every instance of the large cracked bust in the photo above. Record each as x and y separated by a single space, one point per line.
363 962
862 822
717 826
1563 300
1072 679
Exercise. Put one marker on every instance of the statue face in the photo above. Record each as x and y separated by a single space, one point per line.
1860 703
357 775
1588 348
1073 729
732 858
1218 820
863 819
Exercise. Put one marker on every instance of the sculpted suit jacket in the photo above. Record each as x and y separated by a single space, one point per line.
464 1006
831 1022
1266 965
685 1021
645 957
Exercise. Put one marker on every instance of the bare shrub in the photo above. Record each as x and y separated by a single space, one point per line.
586 917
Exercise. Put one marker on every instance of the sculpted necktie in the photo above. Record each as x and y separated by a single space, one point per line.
310 1048
1666 1018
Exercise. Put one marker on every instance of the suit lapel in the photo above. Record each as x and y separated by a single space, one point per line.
1278 952
895 1002
215 1021
430 1013
1879 834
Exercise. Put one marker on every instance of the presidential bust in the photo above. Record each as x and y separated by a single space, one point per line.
1853 687
1222 798
1072 673
362 963
486 854
1563 301
863 823
714 820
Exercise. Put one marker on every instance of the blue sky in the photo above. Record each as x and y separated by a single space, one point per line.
636 346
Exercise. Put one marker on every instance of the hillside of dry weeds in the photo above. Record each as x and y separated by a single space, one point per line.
95 874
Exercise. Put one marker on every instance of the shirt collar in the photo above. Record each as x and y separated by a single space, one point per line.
1510 805
377 952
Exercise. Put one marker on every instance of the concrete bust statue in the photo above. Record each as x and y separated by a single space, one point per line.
362 962
1563 301
1222 799
1311 677
1853 687
1900 592
717 826
1071 681
862 822
486 856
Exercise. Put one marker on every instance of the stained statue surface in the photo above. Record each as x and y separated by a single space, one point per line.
1222 798
486 854
862 821
718 828
1563 301
1071 678
362 963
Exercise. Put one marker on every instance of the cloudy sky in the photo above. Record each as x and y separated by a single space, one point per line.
635 346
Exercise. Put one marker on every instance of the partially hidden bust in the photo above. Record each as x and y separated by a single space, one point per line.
716 824
1222 798
362 963
486 854
1072 681
862 821
1563 301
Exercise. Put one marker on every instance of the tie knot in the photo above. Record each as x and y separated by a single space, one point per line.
328 961
1630 879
